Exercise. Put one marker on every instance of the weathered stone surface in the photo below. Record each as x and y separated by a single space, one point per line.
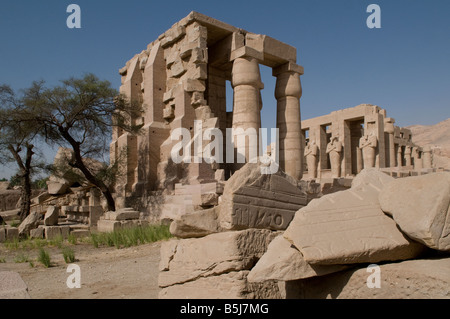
12 233
349 227
255 200
196 224
284 262
2 234
189 259
52 232
106 226
51 216
12 286
232 285
29 223
37 233
420 205
56 188
123 215
412 279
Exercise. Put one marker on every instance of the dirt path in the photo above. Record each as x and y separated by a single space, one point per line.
106 273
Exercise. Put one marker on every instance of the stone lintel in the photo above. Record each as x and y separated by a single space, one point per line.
288 67
246 51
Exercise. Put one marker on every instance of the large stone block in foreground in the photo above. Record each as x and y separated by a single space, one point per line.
411 279
215 266
283 262
255 200
232 285
420 205
349 227
189 259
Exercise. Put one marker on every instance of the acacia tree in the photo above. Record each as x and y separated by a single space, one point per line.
16 143
80 113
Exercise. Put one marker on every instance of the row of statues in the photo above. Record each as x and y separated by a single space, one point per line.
367 143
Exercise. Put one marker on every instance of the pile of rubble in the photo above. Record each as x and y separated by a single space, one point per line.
220 245
252 246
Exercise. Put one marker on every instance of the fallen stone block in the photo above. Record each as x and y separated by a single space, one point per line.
65 231
411 279
2 234
254 200
232 285
51 216
51 232
349 227
283 262
29 223
189 259
421 208
197 224
12 233
124 215
56 188
107 226
12 286
37 233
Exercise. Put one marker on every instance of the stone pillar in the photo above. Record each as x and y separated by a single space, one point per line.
399 156
389 128
288 91
408 156
246 83
427 161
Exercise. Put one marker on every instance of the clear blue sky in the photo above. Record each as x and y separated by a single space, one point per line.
403 67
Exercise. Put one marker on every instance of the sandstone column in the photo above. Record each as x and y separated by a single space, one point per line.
288 91
427 162
408 156
246 82
399 156
389 128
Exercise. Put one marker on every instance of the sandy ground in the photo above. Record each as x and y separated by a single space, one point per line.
106 272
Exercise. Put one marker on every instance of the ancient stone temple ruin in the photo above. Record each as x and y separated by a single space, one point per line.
180 78
344 142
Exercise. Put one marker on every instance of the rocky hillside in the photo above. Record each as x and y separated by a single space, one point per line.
438 137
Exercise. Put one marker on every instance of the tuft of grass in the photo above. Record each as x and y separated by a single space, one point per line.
57 241
2 260
21 258
131 236
72 239
68 254
44 257
15 223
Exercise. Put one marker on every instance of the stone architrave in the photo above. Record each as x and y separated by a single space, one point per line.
334 149
254 200
349 226
420 205
311 152
368 144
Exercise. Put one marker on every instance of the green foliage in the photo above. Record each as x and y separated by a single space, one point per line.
21 258
2 260
68 254
15 180
40 183
131 236
44 257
